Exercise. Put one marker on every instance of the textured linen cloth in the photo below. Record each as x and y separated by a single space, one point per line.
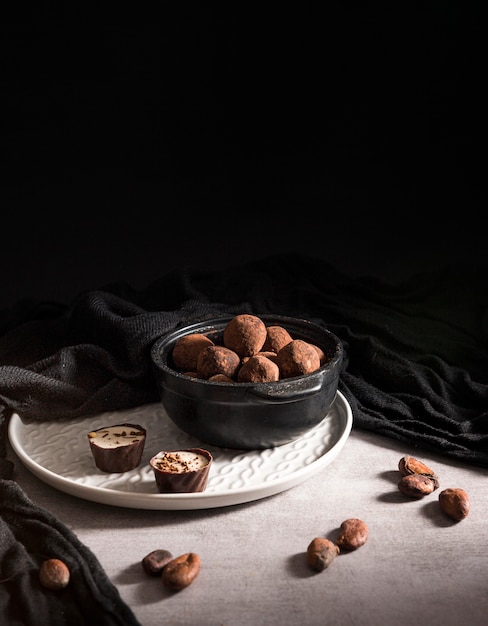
415 370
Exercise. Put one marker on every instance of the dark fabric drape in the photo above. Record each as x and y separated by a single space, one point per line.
28 535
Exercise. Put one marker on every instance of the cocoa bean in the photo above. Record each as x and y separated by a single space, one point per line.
410 465
353 534
320 553
416 485
54 574
181 571
455 503
154 562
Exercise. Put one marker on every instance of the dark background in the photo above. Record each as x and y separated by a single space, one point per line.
215 135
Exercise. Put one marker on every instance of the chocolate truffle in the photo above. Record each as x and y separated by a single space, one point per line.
217 360
186 351
258 369
267 353
221 378
245 334
183 471
297 358
117 448
276 338
321 353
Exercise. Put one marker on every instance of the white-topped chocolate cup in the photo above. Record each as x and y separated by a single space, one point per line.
117 448
184 471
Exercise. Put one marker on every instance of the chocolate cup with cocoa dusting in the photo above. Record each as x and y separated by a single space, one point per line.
123 453
181 471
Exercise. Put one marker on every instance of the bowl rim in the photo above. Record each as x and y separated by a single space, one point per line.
172 336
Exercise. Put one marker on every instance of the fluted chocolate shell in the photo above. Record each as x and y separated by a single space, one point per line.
117 448
181 471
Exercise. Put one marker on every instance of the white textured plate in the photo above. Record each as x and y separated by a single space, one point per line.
58 453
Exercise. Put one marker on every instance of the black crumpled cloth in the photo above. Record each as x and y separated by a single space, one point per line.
415 368
28 535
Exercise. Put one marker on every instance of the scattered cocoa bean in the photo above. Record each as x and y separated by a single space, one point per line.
410 465
416 485
154 562
54 574
320 553
455 503
353 534
181 571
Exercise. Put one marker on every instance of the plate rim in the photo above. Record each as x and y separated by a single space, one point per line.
183 501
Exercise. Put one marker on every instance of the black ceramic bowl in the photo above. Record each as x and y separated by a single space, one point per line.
248 415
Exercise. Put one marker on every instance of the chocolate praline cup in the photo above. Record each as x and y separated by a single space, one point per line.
117 448
175 476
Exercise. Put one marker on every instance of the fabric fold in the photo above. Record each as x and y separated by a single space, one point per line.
28 536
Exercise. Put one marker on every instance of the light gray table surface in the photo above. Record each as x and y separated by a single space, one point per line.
417 567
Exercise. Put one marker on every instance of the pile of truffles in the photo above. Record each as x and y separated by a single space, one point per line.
251 353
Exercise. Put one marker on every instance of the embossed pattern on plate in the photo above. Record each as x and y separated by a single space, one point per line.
58 453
